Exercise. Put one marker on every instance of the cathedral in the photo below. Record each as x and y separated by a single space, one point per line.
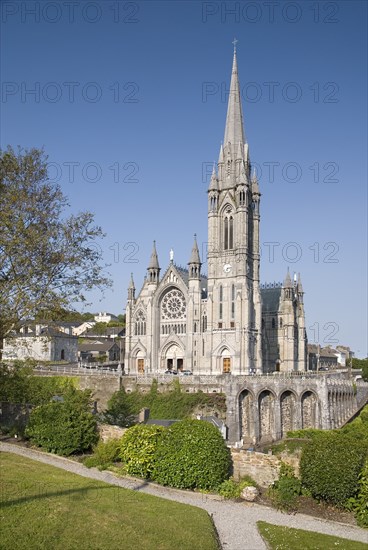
224 322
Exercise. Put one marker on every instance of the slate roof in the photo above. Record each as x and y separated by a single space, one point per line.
324 352
184 273
270 299
96 346
164 423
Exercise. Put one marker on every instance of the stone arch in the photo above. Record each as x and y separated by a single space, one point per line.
223 356
226 361
287 411
172 355
246 415
309 410
266 414
140 357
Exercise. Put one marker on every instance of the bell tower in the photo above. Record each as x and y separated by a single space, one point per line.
233 243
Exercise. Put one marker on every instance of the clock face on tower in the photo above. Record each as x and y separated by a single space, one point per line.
227 268
173 305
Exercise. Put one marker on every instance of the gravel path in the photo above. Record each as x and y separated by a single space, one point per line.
235 522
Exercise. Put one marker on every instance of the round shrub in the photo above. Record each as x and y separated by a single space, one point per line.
191 454
137 448
330 466
65 427
104 454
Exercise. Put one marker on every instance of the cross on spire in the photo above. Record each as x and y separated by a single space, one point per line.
235 41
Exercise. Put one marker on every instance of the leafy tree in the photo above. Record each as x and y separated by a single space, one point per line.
98 328
359 363
18 384
121 409
48 259
64 427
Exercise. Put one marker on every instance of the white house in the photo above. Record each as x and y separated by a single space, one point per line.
42 343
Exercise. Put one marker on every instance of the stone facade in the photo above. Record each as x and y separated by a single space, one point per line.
263 468
42 344
107 432
224 322
259 409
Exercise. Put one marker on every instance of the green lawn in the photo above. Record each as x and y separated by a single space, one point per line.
287 538
43 507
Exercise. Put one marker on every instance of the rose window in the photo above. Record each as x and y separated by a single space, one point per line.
173 305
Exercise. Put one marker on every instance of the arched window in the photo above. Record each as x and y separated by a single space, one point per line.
228 230
226 234
273 322
233 301
280 322
140 324
221 298
204 323
231 232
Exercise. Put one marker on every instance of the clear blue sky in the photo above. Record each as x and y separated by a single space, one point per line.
142 86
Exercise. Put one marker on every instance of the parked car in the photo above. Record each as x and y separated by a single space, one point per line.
185 373
171 372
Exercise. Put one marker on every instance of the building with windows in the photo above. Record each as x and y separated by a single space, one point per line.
225 322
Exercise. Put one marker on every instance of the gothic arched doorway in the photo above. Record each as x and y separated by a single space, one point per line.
174 358
226 361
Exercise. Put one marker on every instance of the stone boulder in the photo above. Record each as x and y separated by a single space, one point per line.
249 494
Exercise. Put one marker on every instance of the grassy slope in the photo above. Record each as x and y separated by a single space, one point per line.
287 538
44 507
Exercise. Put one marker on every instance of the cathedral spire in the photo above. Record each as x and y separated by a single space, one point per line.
131 284
234 131
154 258
131 289
195 261
300 286
213 184
154 267
287 280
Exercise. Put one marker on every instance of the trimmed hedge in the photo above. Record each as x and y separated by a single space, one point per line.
137 448
330 465
359 504
191 455
64 427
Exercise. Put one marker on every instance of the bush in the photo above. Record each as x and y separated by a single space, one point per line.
330 465
191 455
123 408
285 491
308 433
359 504
18 384
104 454
64 427
233 489
137 448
